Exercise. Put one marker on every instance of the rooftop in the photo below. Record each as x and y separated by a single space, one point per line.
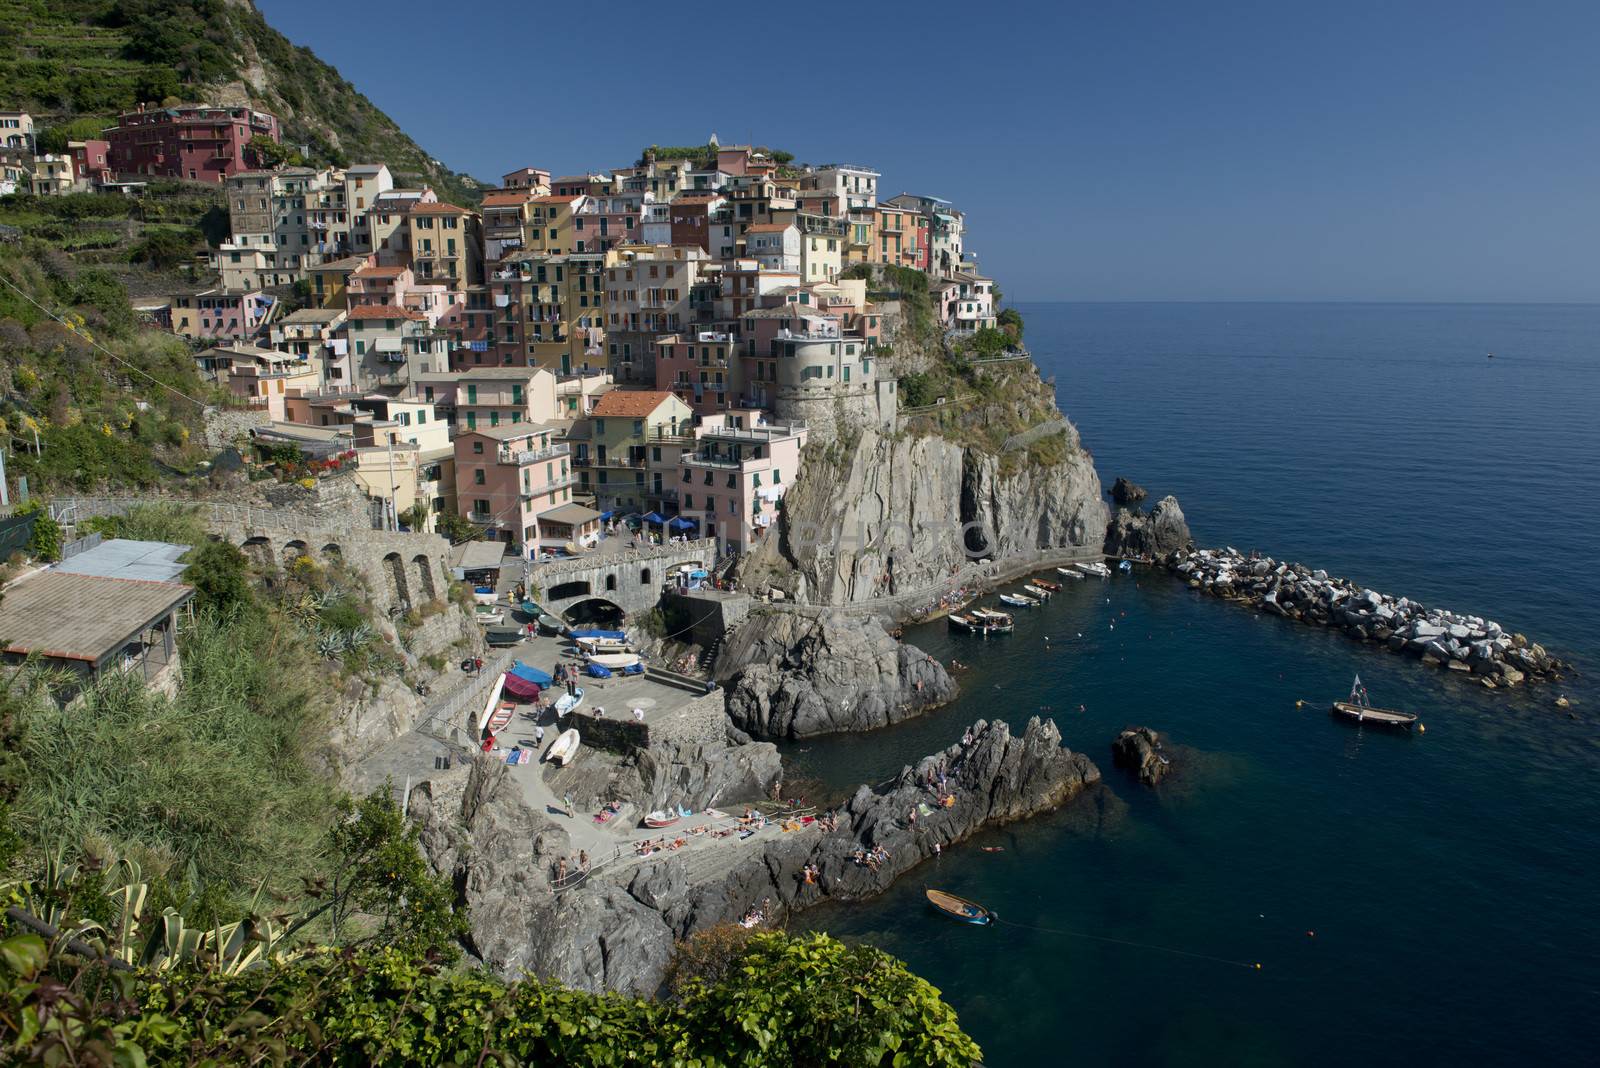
630 403
383 311
507 432
313 315
155 561
576 514
82 617
439 208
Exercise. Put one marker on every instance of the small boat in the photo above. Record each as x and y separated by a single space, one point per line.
990 615
500 719
614 661
484 594
1359 709
585 634
569 701
1069 572
564 748
1036 591
661 818
959 621
502 635
1046 584
1126 567
1017 600
488 615
603 645
1094 567
959 908
550 624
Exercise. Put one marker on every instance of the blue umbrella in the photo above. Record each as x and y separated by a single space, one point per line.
680 523
654 517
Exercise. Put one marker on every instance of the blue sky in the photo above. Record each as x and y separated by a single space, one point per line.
1130 150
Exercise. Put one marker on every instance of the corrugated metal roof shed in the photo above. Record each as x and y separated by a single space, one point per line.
156 561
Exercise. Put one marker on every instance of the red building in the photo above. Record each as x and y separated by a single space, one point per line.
199 142
91 161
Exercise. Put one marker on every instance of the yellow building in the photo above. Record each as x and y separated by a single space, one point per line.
445 243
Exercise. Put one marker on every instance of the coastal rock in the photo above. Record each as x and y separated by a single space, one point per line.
899 516
616 929
793 675
1125 492
1139 750
1153 535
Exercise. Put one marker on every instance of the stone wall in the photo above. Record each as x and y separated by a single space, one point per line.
707 616
618 732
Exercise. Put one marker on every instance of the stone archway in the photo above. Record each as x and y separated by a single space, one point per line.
394 569
294 550
259 551
564 590
644 576
611 582
332 551
425 587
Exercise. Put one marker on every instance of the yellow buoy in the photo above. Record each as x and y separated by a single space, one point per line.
1421 729
1258 966
1298 704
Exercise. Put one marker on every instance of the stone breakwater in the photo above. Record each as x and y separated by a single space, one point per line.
1450 641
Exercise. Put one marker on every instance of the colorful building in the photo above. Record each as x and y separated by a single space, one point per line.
201 143
507 476
221 314
730 483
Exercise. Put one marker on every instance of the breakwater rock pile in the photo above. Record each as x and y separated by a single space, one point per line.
1439 638
617 929
795 675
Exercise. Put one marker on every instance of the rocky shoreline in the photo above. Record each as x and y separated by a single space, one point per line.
617 930
1451 641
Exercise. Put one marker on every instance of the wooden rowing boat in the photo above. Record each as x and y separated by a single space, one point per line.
661 818
1360 710
959 908
564 748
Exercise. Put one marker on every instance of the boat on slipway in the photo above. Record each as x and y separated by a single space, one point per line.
1358 708
661 817
564 748
959 908
569 702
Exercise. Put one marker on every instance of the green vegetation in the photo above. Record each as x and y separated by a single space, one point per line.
705 156
83 61
1010 320
782 1001
456 528
45 541
71 415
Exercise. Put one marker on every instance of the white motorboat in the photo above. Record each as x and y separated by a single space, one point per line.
1094 567
1018 600
1038 592
603 645
564 748
1069 572
488 615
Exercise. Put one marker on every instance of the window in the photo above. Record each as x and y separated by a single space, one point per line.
477 475
480 507
777 476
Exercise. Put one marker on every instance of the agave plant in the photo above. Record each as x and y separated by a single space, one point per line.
144 942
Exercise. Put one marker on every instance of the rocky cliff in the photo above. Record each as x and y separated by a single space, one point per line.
1150 535
893 515
792 675
615 931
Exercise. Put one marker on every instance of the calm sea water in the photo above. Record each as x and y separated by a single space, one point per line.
1412 899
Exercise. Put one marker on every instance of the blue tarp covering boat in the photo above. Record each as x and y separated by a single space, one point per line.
599 671
531 674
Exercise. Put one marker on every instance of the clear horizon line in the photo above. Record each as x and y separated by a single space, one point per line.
1244 300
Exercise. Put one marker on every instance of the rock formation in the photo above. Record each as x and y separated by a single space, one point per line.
1139 750
1440 638
1125 492
792 675
897 515
615 930
1148 535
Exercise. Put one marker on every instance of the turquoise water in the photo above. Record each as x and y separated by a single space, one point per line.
1447 877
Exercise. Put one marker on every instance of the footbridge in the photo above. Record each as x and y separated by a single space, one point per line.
630 579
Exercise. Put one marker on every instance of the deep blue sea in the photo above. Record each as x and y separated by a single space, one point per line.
1424 899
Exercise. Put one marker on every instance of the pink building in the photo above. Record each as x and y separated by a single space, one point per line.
221 314
701 368
733 478
508 476
198 142
91 161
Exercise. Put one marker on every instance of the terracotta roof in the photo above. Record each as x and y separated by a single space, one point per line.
506 200
768 228
440 208
382 311
630 403
556 200
372 271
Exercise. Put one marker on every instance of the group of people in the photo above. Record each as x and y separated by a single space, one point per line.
756 913
870 858
647 846
563 869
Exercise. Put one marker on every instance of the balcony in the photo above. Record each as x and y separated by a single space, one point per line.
553 484
632 463
533 456
720 461
755 435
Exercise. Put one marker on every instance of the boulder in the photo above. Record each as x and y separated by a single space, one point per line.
1125 492
794 675
1152 535
1139 750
